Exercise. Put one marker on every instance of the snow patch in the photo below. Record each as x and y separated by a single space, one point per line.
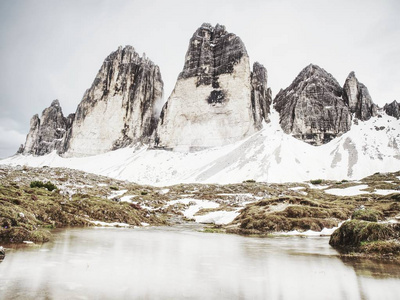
116 194
350 191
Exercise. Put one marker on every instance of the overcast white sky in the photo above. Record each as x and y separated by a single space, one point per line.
53 49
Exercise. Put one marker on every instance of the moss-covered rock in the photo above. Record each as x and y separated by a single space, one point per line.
353 233
20 234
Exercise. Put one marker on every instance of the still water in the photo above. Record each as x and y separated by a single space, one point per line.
183 263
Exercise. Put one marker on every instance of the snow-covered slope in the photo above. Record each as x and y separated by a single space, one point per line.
268 155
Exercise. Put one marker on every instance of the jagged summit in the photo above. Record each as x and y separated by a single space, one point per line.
316 109
312 108
392 109
214 101
118 109
47 133
212 51
357 97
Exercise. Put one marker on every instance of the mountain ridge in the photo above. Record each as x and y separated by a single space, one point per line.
269 155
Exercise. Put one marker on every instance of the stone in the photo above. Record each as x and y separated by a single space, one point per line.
47 133
214 102
357 97
392 109
312 109
120 108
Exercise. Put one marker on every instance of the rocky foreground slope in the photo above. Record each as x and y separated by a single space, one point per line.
74 198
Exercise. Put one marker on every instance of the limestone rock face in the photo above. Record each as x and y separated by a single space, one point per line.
119 108
392 109
213 103
261 95
357 97
47 133
312 108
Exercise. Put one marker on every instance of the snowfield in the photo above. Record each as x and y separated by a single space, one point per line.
269 155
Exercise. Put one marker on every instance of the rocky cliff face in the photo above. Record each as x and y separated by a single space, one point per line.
214 101
119 108
48 132
392 109
312 108
261 95
357 97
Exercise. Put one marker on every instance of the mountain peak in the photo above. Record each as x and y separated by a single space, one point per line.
217 100
311 108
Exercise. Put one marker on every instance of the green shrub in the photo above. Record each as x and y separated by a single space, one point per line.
249 181
39 184
114 188
316 181
143 193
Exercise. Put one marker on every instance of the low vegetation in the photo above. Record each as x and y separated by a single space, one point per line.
370 238
35 200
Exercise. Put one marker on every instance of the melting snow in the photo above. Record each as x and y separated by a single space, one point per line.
194 206
217 217
385 192
116 194
105 224
350 191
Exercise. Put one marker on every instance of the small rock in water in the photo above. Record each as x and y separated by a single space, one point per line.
2 253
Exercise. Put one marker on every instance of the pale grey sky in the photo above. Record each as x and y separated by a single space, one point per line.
53 49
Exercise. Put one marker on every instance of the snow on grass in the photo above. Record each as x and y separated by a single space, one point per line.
221 217
128 198
106 224
350 191
385 192
163 191
194 206
317 186
323 232
297 188
116 194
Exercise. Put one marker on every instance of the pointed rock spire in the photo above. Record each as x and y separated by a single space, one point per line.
216 100
357 97
312 108
119 108
392 109
46 134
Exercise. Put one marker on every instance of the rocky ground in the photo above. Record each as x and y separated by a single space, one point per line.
28 212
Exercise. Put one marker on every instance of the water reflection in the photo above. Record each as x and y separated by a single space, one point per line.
181 263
